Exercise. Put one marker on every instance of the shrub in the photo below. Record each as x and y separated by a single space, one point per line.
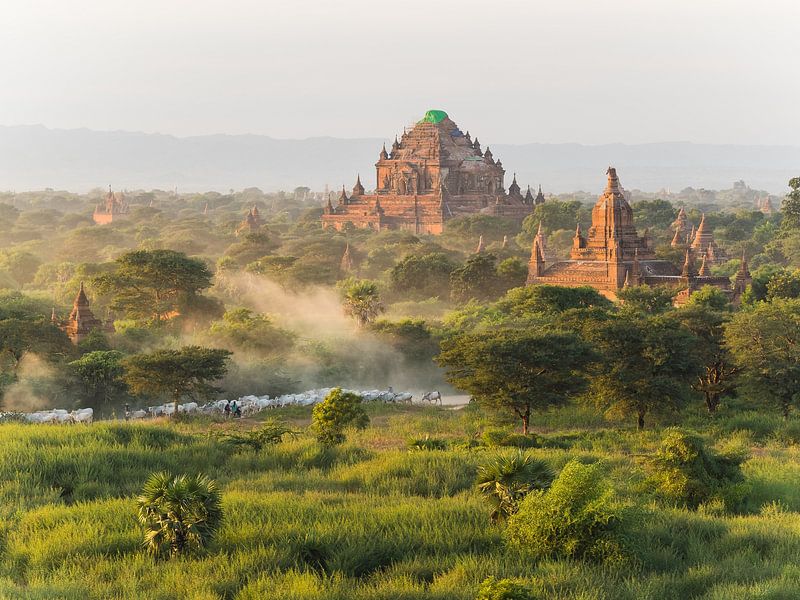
503 589
685 471
575 518
179 514
506 480
789 432
505 438
427 443
334 414
270 433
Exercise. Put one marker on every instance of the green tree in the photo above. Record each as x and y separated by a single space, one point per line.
422 276
338 411
550 299
710 297
476 279
243 330
553 215
511 273
177 374
362 301
657 214
517 370
648 364
506 479
646 299
790 209
101 373
717 378
20 265
765 344
413 338
784 284
154 284
18 337
179 514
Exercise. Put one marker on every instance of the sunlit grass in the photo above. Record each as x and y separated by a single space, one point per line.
370 519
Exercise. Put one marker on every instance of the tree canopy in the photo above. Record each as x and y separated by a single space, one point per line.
154 284
517 370
176 374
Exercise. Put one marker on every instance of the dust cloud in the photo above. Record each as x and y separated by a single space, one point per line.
331 349
36 387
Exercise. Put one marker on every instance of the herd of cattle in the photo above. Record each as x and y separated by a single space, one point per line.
246 404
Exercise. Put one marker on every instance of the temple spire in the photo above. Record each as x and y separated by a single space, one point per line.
612 184
358 189
676 239
704 270
688 266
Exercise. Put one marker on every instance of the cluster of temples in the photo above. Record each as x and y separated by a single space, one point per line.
433 173
699 240
612 255
81 321
113 208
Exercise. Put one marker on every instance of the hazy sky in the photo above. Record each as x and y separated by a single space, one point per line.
589 71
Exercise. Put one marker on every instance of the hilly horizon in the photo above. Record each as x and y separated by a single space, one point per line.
37 157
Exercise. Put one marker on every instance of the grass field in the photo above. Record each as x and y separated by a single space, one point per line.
371 519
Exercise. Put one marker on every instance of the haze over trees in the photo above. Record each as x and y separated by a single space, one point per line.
541 485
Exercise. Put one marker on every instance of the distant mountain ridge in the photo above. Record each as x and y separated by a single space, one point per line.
35 157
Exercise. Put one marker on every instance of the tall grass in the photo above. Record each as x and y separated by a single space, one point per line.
370 519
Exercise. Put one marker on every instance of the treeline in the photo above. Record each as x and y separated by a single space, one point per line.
540 347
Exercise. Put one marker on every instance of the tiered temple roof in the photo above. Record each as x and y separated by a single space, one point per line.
81 320
434 172
115 207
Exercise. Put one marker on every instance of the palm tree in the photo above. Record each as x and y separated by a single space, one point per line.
506 480
362 302
179 513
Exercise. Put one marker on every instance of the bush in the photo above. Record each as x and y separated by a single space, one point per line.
427 443
270 433
506 480
686 472
575 518
334 414
505 438
789 432
503 589
179 514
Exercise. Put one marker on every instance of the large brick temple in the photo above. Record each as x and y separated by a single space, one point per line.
612 255
432 174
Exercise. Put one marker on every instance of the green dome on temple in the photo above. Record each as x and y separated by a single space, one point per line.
434 116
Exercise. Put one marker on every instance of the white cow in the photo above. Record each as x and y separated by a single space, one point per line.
433 397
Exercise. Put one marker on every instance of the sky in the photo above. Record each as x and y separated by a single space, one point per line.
510 71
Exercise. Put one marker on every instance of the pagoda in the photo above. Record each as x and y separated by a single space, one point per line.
433 173
703 244
612 255
81 320
114 208
251 223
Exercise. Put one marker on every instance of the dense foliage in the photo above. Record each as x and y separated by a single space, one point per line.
338 411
